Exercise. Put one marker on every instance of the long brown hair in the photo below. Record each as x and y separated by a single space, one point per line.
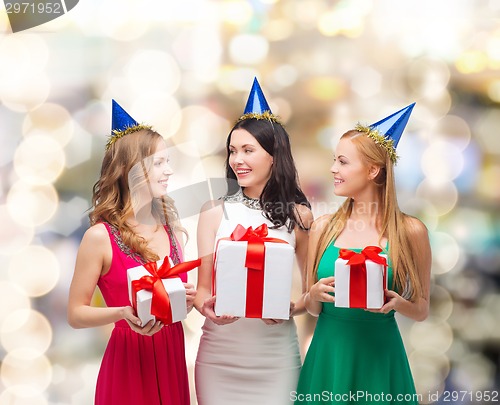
111 200
392 223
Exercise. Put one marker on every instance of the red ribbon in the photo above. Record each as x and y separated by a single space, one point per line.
254 261
160 303
358 279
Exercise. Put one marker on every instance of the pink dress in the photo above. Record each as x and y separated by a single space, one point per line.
139 369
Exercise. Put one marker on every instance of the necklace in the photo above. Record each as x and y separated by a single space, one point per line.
253 203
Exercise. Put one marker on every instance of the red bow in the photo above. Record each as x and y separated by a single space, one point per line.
254 261
357 261
160 303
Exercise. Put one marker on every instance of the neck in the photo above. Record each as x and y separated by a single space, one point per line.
367 208
143 216
252 192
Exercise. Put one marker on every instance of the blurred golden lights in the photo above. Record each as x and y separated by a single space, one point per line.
32 205
27 368
35 269
26 329
39 160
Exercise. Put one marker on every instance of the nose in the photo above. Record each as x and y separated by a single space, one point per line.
334 169
237 158
167 169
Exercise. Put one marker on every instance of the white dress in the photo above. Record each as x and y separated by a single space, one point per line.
247 362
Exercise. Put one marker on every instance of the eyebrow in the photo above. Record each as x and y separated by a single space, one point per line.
243 146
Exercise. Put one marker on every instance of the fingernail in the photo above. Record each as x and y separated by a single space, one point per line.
138 323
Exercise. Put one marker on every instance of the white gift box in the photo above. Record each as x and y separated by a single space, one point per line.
376 281
175 290
231 279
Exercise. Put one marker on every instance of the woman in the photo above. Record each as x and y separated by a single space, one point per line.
357 355
132 222
251 361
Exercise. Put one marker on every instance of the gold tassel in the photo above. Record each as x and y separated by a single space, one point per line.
379 139
266 115
115 134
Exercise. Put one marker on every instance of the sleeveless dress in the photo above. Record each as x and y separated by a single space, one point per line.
247 362
355 356
139 369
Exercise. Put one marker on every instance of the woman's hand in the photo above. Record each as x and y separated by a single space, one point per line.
394 300
149 329
135 323
269 321
190 296
208 311
320 291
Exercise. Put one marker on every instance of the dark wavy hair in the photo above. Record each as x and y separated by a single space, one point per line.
282 191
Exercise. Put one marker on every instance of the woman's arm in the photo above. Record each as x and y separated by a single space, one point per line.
208 223
317 289
190 290
94 258
418 310
302 239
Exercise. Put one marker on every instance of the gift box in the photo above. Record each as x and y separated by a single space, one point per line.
157 293
253 275
361 278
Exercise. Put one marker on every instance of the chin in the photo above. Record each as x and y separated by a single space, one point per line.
243 183
339 193
160 194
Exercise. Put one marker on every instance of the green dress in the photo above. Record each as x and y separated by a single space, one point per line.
355 356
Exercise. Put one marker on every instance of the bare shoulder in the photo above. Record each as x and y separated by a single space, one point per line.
96 235
416 228
211 214
305 215
96 244
212 206
320 223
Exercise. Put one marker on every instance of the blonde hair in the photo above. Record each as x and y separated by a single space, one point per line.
391 222
112 201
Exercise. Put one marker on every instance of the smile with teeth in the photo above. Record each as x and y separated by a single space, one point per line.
242 172
338 181
163 182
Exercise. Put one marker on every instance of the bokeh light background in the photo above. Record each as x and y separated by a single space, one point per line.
186 67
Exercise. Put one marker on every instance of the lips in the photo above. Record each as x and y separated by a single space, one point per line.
242 172
337 181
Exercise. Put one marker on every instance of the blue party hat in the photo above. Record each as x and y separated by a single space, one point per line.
257 106
256 103
387 132
120 119
122 124
393 126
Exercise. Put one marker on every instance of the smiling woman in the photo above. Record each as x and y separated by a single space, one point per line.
250 162
133 222
148 182
252 360
356 345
